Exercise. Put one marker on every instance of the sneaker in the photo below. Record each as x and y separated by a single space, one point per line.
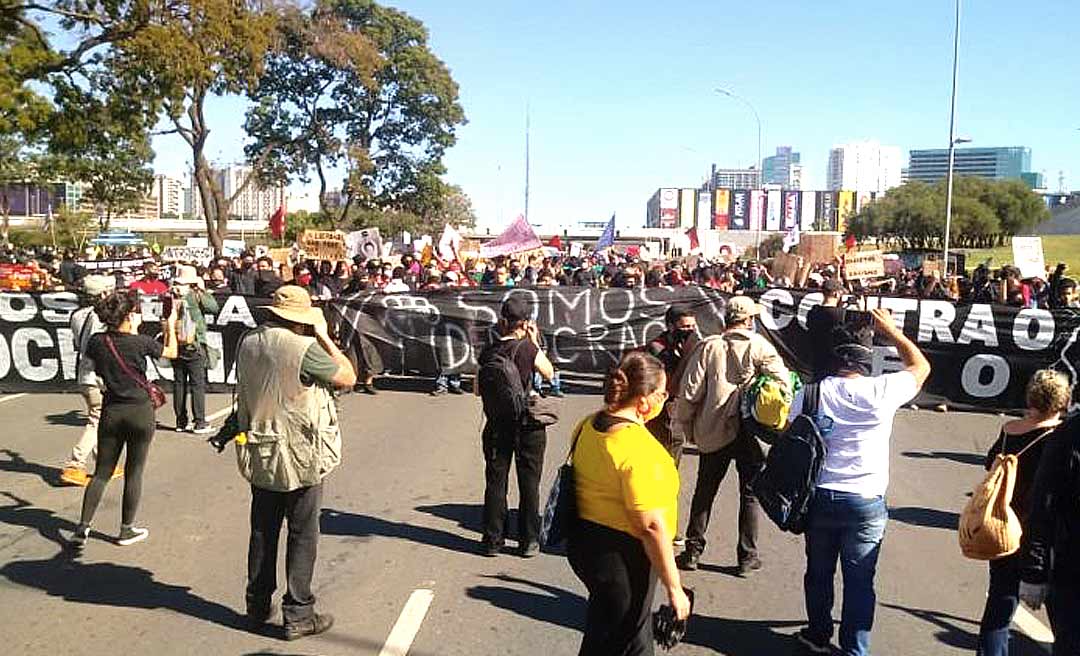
319 623
457 391
202 428
256 619
530 550
364 388
806 640
80 536
556 393
130 535
749 566
679 542
438 391
687 560
75 476
489 549
181 427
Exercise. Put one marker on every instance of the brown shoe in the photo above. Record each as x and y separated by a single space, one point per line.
74 476
316 624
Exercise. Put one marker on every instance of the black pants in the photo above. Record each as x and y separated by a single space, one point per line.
749 459
616 571
1063 607
268 509
189 376
526 446
129 425
1002 599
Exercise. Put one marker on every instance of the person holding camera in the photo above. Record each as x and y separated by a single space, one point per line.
847 516
193 356
127 414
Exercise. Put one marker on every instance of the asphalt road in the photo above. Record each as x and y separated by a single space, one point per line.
402 514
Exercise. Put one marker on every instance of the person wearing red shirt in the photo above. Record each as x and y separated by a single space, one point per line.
150 284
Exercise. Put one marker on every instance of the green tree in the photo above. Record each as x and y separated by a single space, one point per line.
297 222
200 49
294 115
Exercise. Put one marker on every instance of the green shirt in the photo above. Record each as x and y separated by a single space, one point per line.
317 366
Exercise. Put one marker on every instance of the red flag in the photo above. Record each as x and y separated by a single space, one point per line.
277 222
850 242
694 243
556 242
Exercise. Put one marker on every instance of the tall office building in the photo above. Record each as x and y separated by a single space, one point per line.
253 203
864 167
736 178
1006 163
783 168
169 194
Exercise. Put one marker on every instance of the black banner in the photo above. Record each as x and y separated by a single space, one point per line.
982 355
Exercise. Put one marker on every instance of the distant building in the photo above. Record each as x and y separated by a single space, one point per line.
783 168
864 167
169 193
1034 180
253 203
1004 163
736 178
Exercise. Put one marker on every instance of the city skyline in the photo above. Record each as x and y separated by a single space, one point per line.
613 121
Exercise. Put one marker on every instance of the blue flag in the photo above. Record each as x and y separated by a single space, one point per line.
607 239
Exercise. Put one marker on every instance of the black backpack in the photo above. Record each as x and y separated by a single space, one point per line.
506 401
785 487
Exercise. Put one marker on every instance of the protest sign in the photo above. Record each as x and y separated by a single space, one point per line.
786 266
114 265
861 265
982 355
1028 257
820 247
366 243
197 255
323 244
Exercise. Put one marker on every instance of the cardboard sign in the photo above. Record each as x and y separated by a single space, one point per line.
786 266
366 243
195 254
1028 257
930 267
323 244
861 265
820 248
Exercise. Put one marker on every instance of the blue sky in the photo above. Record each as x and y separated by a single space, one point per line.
621 94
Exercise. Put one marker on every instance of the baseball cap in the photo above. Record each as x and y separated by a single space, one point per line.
741 308
96 285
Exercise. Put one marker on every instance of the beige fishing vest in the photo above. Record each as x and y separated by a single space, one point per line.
293 436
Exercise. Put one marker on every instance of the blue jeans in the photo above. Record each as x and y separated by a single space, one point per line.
843 526
1001 601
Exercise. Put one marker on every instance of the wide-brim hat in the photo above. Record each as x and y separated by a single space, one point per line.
186 275
293 303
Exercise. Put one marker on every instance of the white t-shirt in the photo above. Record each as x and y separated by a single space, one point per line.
856 420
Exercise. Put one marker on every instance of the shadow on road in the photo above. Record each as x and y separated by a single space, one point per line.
470 516
22 513
545 603
70 418
955 456
928 517
744 637
19 465
336 522
952 634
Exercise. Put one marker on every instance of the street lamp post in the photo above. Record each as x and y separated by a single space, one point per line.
952 143
760 172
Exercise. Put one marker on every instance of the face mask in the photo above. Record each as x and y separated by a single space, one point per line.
683 334
304 279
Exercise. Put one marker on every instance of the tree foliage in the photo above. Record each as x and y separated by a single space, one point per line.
985 213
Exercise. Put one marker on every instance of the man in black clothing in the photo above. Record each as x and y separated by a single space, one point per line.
669 347
525 442
820 322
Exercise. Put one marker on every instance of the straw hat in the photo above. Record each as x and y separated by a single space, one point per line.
293 303
186 275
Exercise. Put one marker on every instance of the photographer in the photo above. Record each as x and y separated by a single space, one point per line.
193 357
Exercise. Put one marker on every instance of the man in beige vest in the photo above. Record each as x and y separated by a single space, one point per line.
707 410
285 372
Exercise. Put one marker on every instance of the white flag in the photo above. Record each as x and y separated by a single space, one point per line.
791 238
449 243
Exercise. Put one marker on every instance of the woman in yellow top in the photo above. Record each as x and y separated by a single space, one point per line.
627 494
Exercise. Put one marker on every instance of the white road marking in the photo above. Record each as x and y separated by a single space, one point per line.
224 412
12 397
408 623
1030 626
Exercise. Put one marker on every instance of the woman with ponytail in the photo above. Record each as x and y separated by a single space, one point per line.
627 495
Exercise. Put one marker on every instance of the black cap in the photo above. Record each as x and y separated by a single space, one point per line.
515 309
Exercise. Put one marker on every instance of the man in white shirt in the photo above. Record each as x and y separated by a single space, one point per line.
84 324
848 515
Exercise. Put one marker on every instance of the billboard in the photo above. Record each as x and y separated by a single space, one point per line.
774 206
757 209
827 210
740 209
721 209
845 205
809 210
687 205
669 208
704 210
791 210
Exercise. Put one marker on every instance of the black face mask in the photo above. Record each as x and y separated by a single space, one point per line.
682 334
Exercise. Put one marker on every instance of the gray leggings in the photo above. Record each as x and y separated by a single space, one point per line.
122 424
